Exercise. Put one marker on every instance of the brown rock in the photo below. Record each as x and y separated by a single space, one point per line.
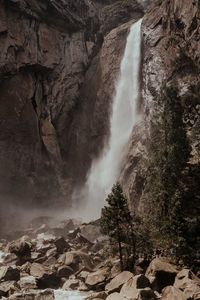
38 270
117 282
173 293
46 278
188 283
7 288
98 295
65 271
20 247
9 273
61 245
161 273
115 296
97 279
27 283
72 284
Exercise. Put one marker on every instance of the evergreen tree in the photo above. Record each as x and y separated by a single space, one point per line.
116 221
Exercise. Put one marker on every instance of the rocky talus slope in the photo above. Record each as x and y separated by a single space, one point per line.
58 63
72 256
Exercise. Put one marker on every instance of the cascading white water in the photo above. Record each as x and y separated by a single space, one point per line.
68 295
105 171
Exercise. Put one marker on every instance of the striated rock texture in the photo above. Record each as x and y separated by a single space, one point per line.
162 168
58 63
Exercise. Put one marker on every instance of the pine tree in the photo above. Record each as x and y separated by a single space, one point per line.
116 221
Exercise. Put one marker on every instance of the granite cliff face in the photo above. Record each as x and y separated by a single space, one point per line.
171 57
58 63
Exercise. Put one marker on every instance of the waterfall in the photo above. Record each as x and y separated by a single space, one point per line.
105 171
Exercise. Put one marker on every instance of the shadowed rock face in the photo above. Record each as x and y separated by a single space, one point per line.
58 64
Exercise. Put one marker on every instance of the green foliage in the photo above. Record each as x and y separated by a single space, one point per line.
128 231
165 189
117 222
172 195
186 219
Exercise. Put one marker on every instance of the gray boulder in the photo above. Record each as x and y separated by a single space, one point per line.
161 273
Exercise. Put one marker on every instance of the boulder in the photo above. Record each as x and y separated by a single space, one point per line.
38 270
7 288
82 287
90 232
76 259
27 282
65 271
8 273
82 240
34 295
116 283
35 255
64 228
73 234
61 245
46 278
97 279
25 268
115 296
146 294
185 278
82 275
115 270
135 286
21 248
161 273
71 284
139 294
51 252
50 261
10 259
72 259
189 283
44 242
173 293
98 295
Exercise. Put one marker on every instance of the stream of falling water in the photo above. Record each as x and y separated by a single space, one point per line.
105 171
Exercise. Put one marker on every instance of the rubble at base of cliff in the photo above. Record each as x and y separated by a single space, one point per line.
76 257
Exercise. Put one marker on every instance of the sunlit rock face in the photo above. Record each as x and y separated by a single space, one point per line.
171 56
56 86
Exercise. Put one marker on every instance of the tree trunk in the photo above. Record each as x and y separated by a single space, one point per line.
120 255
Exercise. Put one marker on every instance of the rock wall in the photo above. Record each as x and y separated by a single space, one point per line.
58 63
171 57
